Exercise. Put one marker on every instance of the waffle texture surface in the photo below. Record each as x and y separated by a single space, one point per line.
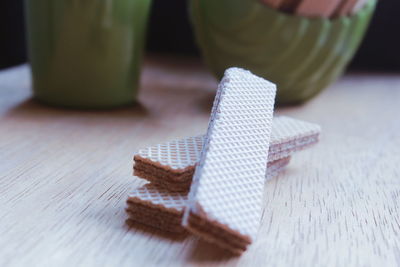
288 135
228 183
158 197
158 207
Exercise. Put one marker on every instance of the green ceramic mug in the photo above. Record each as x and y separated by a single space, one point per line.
86 53
301 55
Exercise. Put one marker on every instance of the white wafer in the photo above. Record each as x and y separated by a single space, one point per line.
160 208
288 136
171 165
225 197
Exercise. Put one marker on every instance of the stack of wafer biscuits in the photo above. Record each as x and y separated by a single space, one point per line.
318 8
172 164
161 208
212 185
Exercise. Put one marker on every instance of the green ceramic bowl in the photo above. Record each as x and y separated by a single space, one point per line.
301 55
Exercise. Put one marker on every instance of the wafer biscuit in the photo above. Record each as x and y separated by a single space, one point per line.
273 3
317 8
172 164
289 5
345 8
157 207
225 198
359 5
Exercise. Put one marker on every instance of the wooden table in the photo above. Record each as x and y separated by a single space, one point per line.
65 176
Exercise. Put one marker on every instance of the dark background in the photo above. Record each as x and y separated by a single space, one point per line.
170 32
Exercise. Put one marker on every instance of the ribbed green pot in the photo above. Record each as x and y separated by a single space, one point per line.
301 55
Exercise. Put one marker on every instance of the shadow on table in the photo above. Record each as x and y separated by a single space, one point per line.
170 87
204 252
201 251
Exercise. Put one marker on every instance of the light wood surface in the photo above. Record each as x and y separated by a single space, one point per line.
65 176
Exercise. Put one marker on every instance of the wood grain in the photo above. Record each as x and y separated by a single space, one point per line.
65 175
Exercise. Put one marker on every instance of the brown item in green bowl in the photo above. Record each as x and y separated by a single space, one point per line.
301 55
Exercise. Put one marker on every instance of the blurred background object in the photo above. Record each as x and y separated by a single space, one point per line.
170 32
379 50
301 54
86 53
